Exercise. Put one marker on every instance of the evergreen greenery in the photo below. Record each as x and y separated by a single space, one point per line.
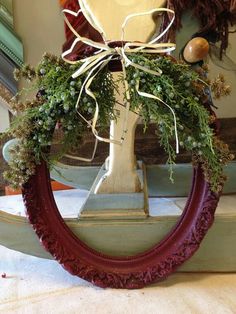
55 105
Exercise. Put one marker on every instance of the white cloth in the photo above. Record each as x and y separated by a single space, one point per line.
35 285
69 203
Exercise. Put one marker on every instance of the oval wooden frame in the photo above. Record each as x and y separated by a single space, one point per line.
106 271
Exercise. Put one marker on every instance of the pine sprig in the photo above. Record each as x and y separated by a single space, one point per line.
56 105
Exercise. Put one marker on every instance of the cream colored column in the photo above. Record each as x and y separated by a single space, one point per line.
122 175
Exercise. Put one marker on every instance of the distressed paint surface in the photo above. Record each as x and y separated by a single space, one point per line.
215 254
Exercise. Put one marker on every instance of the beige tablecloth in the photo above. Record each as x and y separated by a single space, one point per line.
34 285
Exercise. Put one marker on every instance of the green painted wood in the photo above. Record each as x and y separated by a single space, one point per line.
159 184
6 14
17 234
158 181
8 5
77 177
11 44
117 206
217 251
73 176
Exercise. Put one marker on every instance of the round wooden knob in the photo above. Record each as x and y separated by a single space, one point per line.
196 50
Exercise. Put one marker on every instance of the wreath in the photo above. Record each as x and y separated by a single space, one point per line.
184 90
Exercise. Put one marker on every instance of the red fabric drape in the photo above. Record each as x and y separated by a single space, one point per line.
82 27
214 16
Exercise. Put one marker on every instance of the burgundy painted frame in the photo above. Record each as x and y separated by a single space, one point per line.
127 272
106 271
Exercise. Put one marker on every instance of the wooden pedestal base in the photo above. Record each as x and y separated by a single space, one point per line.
117 205
216 253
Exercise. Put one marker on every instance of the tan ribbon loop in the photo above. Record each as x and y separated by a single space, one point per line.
155 39
85 40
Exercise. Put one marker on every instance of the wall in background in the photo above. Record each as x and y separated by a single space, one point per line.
40 25
227 106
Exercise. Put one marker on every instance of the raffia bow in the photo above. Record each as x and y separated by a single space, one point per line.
94 64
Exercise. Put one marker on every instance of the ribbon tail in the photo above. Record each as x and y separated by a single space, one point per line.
85 40
82 158
96 114
95 66
161 10
90 63
143 94
86 86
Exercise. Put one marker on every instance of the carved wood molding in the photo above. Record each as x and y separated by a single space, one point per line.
10 43
127 272
11 50
6 15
